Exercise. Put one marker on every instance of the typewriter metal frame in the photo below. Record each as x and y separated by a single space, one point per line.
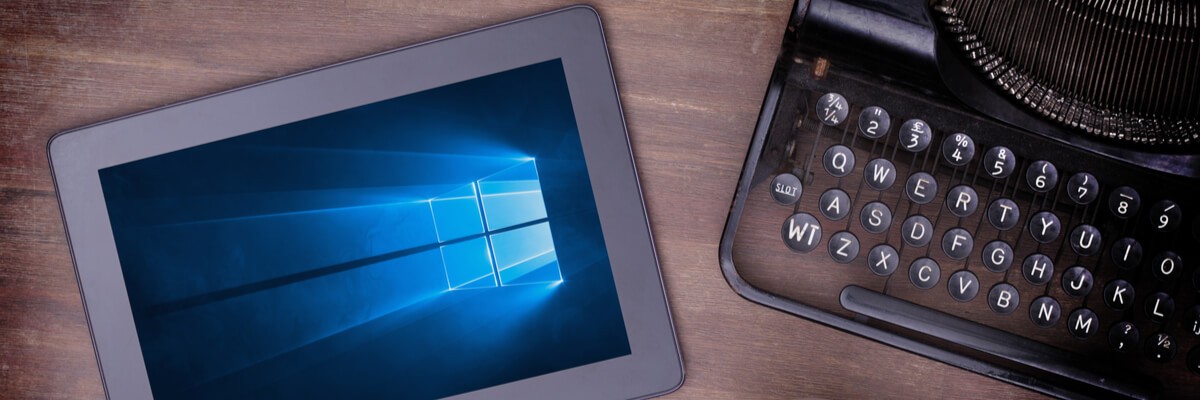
913 37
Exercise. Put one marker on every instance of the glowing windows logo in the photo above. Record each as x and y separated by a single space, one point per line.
495 232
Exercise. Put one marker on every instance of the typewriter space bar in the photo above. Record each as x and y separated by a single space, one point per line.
982 338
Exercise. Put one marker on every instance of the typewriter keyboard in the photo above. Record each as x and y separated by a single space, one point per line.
929 222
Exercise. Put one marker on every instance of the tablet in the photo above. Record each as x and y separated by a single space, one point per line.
456 218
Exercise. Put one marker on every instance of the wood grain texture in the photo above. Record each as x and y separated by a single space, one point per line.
691 74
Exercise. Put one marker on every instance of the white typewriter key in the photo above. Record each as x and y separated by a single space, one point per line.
843 247
1045 311
999 162
1083 188
958 149
786 189
832 109
1083 323
924 273
1118 295
1037 269
1160 347
915 135
1077 281
963 285
921 188
1123 336
838 160
880 174
1004 214
801 232
874 122
1003 299
1041 176
1159 307
997 256
876 217
883 260
835 204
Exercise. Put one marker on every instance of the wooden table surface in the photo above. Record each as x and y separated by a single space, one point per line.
691 75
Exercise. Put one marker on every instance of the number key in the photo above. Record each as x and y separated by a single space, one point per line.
1160 347
915 135
1165 216
958 149
1083 188
832 109
1124 202
874 122
1042 176
999 162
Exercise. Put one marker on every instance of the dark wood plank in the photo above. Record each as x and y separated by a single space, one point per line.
691 76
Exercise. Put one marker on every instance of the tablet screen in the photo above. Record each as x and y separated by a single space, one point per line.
422 246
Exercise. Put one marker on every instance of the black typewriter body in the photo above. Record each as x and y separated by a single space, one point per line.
897 189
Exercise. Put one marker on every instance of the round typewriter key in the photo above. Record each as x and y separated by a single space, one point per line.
924 273
1083 323
1123 336
876 217
1193 359
1127 253
883 260
1167 265
832 109
957 243
962 200
997 256
1159 307
802 232
1003 299
999 162
880 174
1037 269
958 149
915 135
1044 311
921 187
1124 202
1191 321
1077 281
1004 214
917 231
1083 188
1119 294
835 204
838 160
1160 347
1044 227
1042 176
963 285
786 189
843 247
1085 240
1165 216
874 122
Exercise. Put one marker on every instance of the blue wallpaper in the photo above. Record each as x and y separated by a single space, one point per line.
418 247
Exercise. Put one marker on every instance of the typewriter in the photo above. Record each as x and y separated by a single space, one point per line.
1009 187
